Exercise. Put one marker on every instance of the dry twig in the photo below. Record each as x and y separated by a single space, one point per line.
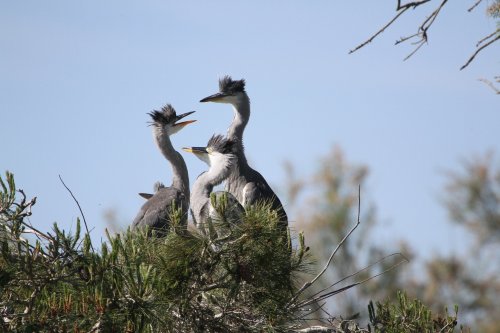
497 33
491 85
474 6
422 32
308 284
80 208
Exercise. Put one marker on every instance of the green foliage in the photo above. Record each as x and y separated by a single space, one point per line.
408 316
184 282
241 278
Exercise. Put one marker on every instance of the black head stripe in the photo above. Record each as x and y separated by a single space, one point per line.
220 144
230 86
165 116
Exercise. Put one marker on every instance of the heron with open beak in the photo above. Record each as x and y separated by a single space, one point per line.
155 213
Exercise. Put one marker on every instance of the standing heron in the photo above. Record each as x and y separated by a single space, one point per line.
156 211
219 155
245 183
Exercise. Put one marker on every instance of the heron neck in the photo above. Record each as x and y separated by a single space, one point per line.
241 111
180 177
206 181
202 188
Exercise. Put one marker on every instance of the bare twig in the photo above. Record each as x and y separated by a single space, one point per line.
487 37
481 48
491 85
424 27
337 291
413 4
422 42
363 269
312 310
474 6
422 30
400 9
404 39
40 235
79 207
308 284
369 40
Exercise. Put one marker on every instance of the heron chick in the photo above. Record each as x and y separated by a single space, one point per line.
220 157
245 183
157 210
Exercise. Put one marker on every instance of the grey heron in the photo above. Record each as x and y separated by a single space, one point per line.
155 212
245 183
219 155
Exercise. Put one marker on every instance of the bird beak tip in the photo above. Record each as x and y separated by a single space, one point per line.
184 123
213 98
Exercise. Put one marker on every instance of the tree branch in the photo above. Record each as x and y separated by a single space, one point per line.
369 40
474 6
425 26
308 284
482 47
79 207
422 30
411 4
399 8
338 291
491 85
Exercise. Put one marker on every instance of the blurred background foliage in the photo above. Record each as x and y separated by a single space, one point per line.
325 207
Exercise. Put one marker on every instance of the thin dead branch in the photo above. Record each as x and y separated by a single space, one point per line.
79 207
364 269
400 8
422 32
474 6
338 291
491 85
413 4
308 284
482 47
369 40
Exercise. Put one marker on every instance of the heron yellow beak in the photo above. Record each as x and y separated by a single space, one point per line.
184 123
196 150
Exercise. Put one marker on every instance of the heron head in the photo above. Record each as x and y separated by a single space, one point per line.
230 91
168 120
218 154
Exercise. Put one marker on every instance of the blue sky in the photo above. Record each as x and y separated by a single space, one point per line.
77 79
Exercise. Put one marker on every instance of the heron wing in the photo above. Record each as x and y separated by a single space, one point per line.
155 212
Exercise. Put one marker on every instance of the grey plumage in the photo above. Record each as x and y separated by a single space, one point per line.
156 211
218 154
245 183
